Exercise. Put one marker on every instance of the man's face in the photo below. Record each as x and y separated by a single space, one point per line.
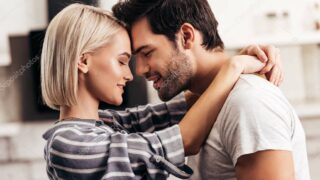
160 61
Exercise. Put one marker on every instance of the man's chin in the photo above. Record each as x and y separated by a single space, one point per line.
165 96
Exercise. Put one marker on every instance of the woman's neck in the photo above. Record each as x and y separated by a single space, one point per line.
86 107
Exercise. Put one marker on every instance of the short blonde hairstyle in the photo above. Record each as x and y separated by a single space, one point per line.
76 30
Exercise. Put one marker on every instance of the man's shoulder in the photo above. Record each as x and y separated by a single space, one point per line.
253 99
246 90
251 88
253 83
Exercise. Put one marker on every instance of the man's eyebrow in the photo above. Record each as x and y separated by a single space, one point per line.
139 49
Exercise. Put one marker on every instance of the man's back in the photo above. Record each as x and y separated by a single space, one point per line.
255 117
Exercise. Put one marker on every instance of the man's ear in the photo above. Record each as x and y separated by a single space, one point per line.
188 35
83 63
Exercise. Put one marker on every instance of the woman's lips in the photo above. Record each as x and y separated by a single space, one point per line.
121 86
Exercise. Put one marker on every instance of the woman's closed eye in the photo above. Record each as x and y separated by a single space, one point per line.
124 61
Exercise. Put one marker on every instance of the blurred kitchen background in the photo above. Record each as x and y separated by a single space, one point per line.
291 25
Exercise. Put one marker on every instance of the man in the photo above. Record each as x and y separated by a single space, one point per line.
257 134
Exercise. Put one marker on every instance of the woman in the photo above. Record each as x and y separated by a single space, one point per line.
85 60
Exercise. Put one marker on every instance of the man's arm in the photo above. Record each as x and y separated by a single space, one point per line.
266 165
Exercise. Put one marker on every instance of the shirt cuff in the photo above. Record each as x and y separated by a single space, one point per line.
172 144
177 108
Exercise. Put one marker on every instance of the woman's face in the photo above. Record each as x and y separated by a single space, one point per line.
109 70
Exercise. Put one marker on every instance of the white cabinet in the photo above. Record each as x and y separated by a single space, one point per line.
301 65
287 24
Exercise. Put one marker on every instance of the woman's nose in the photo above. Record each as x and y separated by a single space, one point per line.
128 76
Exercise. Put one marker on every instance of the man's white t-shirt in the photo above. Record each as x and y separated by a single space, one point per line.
255 117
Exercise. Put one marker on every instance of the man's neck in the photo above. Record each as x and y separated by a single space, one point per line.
208 64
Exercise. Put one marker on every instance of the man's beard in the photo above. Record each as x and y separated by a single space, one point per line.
177 78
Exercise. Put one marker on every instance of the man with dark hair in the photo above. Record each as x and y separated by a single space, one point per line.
257 134
166 18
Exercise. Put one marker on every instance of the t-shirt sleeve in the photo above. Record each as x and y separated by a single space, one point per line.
255 123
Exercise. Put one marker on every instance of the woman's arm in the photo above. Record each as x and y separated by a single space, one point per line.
173 111
265 53
151 117
198 121
90 150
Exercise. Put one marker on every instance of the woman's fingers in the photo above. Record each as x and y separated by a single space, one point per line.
276 73
280 79
255 50
275 76
270 55
273 53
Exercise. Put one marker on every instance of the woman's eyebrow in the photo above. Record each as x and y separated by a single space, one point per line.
126 54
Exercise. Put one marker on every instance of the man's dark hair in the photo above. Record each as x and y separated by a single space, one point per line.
167 16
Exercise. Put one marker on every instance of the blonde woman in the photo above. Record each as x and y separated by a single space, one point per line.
85 60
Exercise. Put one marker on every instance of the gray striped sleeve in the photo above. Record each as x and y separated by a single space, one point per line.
91 152
150 118
171 141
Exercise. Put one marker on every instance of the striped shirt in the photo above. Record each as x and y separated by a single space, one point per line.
138 143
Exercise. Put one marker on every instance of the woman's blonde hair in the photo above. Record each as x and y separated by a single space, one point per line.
76 30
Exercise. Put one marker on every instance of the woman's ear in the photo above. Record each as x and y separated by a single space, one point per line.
188 35
83 63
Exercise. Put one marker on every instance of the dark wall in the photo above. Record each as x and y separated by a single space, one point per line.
55 6
29 102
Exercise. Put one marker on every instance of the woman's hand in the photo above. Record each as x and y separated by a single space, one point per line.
247 64
270 55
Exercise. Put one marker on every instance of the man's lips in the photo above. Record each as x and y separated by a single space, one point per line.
156 81
153 78
157 84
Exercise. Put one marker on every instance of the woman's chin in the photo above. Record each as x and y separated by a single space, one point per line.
115 101
118 103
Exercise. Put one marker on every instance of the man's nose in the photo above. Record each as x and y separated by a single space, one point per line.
141 67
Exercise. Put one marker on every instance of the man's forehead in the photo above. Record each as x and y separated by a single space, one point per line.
138 45
142 37
140 34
